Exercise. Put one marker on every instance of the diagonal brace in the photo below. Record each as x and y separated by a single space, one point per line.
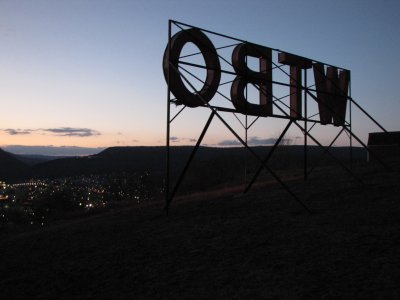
192 154
321 156
267 157
277 178
329 153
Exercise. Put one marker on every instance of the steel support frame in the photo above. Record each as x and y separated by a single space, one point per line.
347 127
215 112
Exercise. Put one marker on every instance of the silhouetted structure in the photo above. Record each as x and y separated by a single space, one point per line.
324 98
384 144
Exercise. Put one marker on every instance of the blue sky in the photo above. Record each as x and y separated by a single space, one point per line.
88 73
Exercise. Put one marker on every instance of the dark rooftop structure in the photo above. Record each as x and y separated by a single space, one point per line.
384 144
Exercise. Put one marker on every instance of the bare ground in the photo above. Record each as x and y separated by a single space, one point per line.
262 245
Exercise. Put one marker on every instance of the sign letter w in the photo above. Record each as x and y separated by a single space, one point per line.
332 92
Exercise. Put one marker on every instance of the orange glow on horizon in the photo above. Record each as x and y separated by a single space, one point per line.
103 140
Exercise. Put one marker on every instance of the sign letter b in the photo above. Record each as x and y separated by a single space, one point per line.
262 79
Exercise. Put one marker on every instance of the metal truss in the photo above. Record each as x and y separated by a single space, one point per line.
305 122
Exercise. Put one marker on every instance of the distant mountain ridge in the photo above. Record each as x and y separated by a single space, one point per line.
207 162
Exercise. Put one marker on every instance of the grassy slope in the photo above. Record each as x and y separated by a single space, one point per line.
262 245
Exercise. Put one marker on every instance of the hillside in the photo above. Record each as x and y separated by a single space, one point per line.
115 159
210 167
11 168
220 246
154 159
34 159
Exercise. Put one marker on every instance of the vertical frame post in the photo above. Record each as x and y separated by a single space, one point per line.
167 176
350 125
246 128
305 125
245 155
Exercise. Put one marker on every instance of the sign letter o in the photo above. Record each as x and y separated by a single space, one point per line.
170 67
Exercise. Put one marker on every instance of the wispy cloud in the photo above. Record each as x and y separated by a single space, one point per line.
71 131
11 131
256 141
253 141
229 143
175 139
60 131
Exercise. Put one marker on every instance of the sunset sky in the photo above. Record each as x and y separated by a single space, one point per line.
89 73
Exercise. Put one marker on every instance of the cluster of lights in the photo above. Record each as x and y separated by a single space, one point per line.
87 192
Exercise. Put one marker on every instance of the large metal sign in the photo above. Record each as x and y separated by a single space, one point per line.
331 86
263 82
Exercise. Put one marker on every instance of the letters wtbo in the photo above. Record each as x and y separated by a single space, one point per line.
331 87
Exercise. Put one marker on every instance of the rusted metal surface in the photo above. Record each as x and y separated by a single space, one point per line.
294 60
338 87
263 79
324 108
176 84
297 64
332 92
295 92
